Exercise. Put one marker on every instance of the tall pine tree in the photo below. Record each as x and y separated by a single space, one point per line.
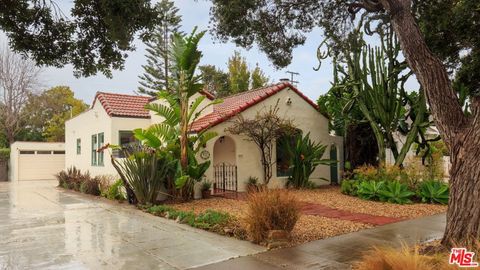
259 79
215 80
157 69
239 75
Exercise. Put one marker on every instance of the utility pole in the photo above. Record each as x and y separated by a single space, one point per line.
291 76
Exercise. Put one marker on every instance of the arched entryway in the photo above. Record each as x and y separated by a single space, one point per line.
224 151
333 165
224 165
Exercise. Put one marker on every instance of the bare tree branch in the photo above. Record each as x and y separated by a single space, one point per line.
263 130
18 78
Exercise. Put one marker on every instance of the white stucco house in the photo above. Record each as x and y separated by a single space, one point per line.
112 117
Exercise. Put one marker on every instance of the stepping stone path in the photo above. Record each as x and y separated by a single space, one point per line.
325 211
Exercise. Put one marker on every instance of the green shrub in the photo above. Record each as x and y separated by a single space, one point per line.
70 179
395 192
211 218
206 185
187 217
172 214
349 187
159 210
146 171
4 154
252 184
78 181
433 192
90 185
305 155
114 191
369 190
252 180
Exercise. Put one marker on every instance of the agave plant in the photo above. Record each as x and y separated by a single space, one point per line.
370 190
146 172
395 192
433 192
305 155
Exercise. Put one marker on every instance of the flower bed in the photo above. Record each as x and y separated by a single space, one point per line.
395 185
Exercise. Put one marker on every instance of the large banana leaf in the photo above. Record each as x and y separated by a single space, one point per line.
171 116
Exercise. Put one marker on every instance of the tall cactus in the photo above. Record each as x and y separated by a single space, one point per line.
377 79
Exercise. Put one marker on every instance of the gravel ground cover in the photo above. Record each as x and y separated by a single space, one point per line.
332 197
310 228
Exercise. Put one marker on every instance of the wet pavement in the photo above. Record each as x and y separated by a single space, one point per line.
340 251
44 227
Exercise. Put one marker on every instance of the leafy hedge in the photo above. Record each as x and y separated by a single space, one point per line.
210 220
74 179
396 192
4 153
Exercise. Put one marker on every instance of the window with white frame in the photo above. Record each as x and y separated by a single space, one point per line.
97 156
79 146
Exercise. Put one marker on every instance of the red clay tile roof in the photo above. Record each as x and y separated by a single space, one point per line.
235 104
122 105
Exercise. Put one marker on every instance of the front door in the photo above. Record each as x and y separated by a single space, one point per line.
225 175
333 165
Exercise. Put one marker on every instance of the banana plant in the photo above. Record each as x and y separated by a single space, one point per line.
167 133
179 111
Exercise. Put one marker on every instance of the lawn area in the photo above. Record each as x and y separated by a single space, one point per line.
314 227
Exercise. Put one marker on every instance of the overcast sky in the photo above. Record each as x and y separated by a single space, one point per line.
196 13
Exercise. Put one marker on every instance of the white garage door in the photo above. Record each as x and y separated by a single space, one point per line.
40 164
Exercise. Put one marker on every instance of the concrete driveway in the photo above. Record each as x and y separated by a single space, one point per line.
44 227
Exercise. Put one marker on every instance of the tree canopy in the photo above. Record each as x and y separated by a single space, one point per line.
451 28
94 37
238 78
48 112
239 75
157 70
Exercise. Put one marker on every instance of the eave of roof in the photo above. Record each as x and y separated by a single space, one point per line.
215 118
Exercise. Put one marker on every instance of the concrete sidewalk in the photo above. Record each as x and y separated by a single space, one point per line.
339 252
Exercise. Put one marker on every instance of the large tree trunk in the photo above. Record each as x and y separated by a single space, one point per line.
460 133
463 216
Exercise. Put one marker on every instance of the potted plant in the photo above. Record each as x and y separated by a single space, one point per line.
252 184
206 185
